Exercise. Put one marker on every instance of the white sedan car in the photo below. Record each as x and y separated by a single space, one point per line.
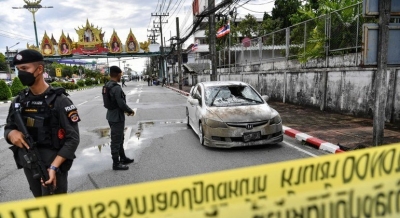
232 114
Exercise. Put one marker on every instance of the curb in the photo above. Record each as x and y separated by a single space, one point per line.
68 90
302 137
5 102
178 90
320 144
79 89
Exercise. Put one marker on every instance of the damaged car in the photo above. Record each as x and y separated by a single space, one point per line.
230 114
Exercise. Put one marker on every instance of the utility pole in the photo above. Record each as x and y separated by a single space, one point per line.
179 53
33 6
153 37
381 73
162 40
8 56
212 47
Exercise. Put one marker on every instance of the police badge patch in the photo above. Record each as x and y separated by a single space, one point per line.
73 116
72 113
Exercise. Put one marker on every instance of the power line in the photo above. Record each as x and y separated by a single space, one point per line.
265 3
14 36
258 12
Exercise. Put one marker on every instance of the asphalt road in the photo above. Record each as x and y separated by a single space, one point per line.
157 137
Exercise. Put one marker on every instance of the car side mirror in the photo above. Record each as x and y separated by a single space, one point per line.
194 101
265 97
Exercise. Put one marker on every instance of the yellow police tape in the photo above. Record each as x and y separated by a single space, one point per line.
363 183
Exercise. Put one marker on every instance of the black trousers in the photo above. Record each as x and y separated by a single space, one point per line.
117 139
38 190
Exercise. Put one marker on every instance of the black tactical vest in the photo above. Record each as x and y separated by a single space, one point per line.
41 119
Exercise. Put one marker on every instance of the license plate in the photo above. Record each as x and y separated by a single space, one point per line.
251 136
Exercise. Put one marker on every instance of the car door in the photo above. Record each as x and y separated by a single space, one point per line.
191 106
198 107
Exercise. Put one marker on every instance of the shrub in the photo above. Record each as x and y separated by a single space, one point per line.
105 79
81 83
88 82
16 86
70 85
64 85
5 92
56 84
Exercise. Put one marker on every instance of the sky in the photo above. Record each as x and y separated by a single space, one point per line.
16 25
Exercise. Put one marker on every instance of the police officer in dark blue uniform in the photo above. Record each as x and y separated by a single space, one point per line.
116 119
51 120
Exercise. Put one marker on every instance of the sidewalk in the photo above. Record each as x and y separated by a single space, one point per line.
347 132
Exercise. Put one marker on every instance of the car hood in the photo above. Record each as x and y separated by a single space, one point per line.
249 113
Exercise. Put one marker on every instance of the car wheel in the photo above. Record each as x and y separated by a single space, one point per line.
201 135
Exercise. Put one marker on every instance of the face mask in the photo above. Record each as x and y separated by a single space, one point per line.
27 79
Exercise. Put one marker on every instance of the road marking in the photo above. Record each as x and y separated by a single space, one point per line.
299 149
137 101
97 96
82 103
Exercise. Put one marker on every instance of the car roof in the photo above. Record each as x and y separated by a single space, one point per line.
223 83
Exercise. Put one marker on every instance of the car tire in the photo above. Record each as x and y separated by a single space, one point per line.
201 135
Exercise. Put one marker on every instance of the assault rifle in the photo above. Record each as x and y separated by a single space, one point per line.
32 156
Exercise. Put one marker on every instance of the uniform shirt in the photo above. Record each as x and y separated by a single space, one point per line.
68 121
116 93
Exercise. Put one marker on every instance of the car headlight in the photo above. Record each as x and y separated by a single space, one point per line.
277 119
215 124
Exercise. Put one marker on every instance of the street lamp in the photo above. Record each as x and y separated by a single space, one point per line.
8 56
33 6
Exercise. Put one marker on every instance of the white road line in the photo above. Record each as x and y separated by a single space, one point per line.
137 101
299 149
82 103
97 96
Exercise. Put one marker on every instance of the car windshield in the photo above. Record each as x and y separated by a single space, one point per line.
222 96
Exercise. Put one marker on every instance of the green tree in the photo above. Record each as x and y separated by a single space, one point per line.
67 71
16 86
3 63
5 92
266 16
249 27
343 24
268 26
283 10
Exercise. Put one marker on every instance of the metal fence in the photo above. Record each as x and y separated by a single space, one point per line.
336 33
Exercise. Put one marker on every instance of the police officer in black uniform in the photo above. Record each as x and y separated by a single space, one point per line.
116 120
51 120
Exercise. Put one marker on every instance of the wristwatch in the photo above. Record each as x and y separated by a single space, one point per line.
54 168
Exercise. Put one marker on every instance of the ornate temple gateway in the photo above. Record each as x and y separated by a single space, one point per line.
90 42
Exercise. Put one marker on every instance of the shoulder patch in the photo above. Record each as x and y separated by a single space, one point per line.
69 108
72 113
73 116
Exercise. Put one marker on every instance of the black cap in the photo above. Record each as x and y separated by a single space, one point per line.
115 69
27 56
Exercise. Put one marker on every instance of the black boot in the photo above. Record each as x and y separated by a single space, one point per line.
118 165
124 159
